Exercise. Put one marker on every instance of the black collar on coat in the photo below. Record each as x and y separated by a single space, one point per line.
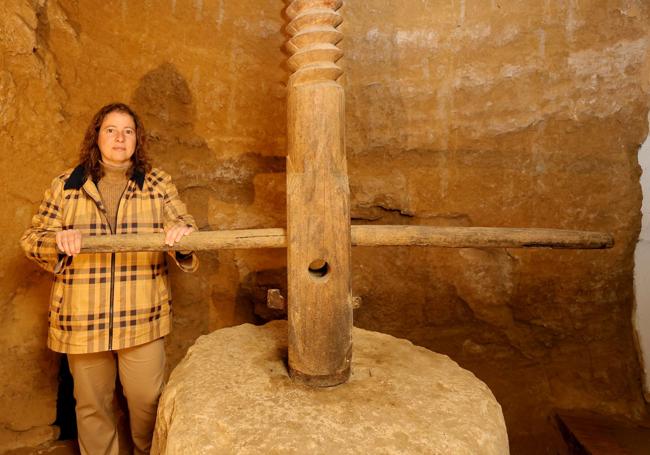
78 178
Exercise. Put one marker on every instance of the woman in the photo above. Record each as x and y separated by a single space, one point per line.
109 311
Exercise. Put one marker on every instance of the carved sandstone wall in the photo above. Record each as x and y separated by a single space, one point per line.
459 113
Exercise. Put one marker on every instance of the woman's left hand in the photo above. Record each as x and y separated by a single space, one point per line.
176 233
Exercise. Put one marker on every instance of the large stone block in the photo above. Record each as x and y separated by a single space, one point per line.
232 395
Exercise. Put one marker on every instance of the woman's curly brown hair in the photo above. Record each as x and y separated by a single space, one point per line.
90 157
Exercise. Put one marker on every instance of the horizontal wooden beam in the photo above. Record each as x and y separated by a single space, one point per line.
197 241
478 237
369 235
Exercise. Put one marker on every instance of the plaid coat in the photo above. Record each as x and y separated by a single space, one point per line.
107 301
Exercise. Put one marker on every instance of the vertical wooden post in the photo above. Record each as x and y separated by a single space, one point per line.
318 214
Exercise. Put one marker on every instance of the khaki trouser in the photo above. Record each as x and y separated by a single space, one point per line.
141 369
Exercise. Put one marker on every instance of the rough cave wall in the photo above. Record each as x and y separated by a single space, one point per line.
642 269
460 113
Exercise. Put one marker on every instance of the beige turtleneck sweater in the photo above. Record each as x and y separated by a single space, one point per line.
111 187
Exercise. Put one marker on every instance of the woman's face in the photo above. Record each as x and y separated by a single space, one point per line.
117 138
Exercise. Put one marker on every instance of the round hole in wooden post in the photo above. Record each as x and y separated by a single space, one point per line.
318 268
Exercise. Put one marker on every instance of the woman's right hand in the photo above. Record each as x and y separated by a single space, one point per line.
69 242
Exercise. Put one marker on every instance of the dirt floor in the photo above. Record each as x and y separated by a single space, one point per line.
51 448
